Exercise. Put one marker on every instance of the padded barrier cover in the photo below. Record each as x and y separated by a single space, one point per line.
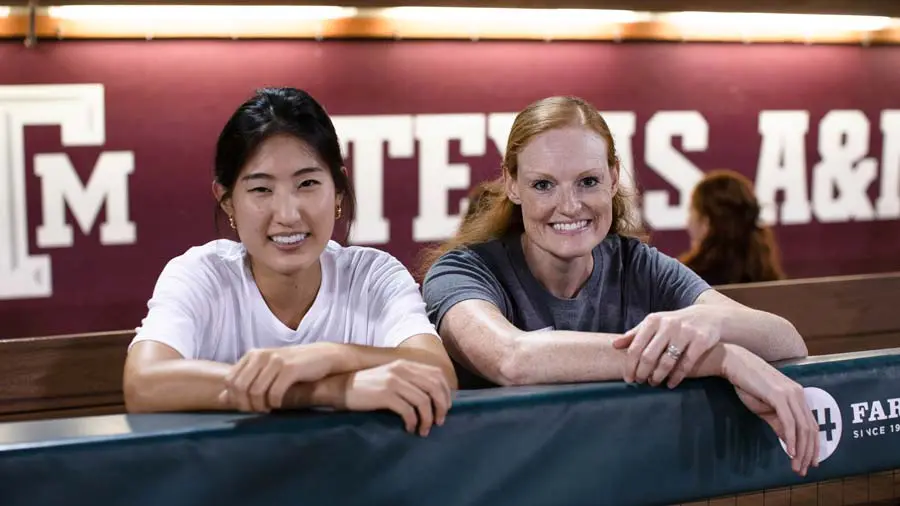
588 444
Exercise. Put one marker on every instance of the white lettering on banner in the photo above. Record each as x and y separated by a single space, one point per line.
874 411
499 126
60 186
782 166
839 190
78 109
623 125
367 135
842 177
888 204
838 187
437 175
672 166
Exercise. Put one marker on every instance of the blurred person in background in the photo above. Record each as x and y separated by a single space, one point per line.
728 243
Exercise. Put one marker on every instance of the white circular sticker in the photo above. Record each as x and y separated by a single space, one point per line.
828 415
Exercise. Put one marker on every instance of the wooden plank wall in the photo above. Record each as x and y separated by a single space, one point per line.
834 315
62 376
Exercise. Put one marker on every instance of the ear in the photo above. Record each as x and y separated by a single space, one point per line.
219 193
339 195
512 187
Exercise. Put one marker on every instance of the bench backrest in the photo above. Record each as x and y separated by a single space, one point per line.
81 374
835 314
60 376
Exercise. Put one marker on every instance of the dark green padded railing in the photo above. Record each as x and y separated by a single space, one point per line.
567 445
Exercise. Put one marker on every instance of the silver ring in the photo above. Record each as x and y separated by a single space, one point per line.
673 352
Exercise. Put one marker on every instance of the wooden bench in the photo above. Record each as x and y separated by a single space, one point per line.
81 374
62 376
835 314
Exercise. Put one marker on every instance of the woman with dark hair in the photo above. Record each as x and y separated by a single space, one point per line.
728 244
285 316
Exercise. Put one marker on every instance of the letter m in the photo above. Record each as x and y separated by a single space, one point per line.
78 111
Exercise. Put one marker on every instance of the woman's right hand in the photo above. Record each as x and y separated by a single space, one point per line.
779 401
417 392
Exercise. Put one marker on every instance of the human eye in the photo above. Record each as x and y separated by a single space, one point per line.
542 185
590 182
308 183
259 189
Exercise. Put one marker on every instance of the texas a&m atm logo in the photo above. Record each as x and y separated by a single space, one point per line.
79 112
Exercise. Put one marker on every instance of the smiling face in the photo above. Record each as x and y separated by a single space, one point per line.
283 205
565 187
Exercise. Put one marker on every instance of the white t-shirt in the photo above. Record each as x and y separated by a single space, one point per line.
206 304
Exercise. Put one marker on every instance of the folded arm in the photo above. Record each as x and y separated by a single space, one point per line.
767 335
158 378
347 359
483 340
424 348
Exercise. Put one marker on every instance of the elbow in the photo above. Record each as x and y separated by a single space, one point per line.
511 370
796 346
800 348
508 375
135 389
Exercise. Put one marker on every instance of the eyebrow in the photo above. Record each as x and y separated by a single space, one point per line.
581 174
298 172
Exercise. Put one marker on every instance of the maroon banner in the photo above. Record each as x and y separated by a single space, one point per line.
106 147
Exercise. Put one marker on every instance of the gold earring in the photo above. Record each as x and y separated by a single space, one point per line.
231 222
338 213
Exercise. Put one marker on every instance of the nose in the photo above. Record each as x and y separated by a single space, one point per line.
286 208
569 201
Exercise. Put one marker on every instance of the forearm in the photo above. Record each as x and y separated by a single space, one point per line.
176 385
769 336
351 357
565 356
326 392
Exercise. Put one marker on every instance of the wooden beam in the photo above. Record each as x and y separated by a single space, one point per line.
863 7
374 27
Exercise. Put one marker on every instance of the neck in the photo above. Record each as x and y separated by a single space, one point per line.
289 297
564 278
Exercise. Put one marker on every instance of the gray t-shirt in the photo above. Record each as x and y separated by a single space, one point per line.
630 280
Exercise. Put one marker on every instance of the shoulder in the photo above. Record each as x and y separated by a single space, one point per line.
365 266
475 258
634 253
359 258
210 265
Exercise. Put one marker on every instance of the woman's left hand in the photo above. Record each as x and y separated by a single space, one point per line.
262 377
669 345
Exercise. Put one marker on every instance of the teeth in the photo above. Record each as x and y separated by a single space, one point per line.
570 226
289 239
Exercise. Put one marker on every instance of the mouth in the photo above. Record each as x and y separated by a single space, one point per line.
288 241
570 227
